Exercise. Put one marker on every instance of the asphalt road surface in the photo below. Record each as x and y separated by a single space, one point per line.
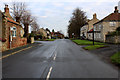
56 59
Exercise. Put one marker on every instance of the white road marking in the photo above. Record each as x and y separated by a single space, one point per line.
54 57
48 76
14 53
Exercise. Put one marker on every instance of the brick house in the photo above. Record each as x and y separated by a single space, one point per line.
58 35
11 31
108 24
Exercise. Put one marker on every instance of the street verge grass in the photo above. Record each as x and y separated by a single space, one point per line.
45 39
93 47
90 46
50 39
116 58
87 42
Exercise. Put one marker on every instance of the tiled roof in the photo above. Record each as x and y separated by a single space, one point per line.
111 17
12 20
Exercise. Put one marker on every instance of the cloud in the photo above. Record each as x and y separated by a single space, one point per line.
57 4
55 14
43 16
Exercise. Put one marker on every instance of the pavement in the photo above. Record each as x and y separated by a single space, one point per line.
56 59
106 52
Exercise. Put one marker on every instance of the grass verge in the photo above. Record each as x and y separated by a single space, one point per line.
46 40
86 42
116 58
93 47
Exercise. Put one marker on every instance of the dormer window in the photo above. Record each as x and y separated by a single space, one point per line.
112 23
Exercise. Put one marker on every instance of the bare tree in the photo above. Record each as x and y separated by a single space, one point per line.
26 21
34 25
18 9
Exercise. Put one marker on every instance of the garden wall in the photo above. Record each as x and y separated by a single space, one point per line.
112 39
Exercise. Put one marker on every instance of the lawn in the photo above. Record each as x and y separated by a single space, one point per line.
86 42
49 39
46 39
93 47
116 58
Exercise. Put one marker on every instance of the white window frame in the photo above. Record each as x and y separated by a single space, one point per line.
14 31
100 27
112 23
99 36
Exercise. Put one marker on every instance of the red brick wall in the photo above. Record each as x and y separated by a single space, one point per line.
16 41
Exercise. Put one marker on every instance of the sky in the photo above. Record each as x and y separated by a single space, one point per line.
55 14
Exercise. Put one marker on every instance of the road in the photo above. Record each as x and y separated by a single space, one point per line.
56 59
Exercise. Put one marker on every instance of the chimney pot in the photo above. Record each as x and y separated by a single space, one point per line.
94 16
6 8
116 10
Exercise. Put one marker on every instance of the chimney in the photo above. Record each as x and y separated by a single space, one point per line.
6 9
94 16
116 10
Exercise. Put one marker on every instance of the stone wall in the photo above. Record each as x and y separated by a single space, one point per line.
32 39
113 39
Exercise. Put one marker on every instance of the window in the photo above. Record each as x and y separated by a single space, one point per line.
14 32
112 23
99 27
99 35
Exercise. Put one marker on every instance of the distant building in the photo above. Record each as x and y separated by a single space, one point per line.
58 35
108 24
42 32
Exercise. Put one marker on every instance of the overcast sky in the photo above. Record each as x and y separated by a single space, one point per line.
55 14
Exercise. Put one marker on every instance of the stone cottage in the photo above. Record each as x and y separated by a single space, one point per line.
11 31
108 24
42 32
86 30
90 26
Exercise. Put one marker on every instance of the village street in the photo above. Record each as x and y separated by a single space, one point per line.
56 59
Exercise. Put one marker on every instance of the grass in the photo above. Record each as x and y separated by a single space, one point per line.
116 58
46 39
49 39
86 42
93 47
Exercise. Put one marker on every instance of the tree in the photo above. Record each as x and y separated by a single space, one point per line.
26 21
78 19
18 9
34 25
53 30
22 15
